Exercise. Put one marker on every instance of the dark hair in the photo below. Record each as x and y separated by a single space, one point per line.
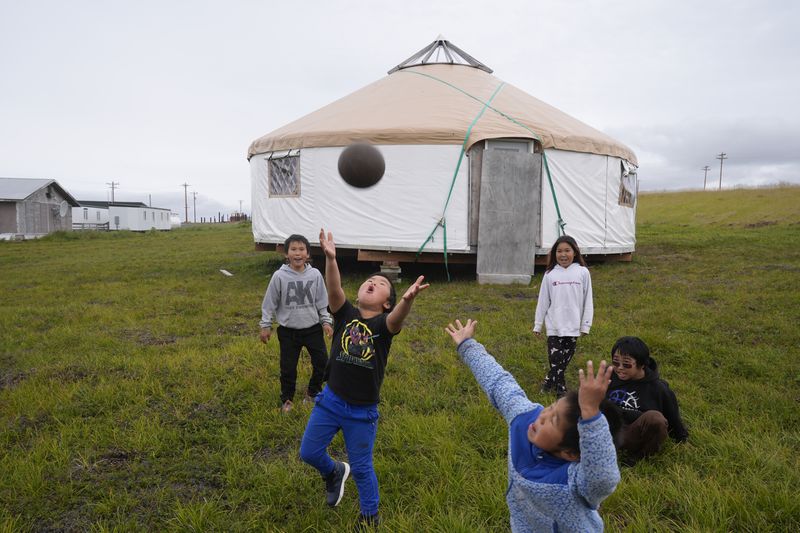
632 347
551 257
571 440
295 237
392 292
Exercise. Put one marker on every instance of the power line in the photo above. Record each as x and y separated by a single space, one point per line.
186 201
705 176
113 185
722 157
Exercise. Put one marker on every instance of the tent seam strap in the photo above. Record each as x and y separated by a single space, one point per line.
442 220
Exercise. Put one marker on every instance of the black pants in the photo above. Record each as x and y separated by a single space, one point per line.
291 342
559 353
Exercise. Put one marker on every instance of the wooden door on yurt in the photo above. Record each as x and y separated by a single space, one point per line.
509 211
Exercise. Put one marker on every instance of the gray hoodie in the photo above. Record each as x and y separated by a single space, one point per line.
295 300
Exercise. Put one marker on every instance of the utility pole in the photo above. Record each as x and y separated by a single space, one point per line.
113 185
240 207
705 176
194 200
186 202
722 157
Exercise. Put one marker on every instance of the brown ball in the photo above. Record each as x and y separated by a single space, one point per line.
361 165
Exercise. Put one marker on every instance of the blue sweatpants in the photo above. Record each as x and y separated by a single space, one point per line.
359 425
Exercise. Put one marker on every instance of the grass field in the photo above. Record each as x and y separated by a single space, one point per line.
135 396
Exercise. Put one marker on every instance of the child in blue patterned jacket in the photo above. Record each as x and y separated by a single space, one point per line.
561 458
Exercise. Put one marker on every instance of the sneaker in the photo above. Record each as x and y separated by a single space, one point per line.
287 406
334 483
366 523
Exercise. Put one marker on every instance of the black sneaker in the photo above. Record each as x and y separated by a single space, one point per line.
334 483
367 523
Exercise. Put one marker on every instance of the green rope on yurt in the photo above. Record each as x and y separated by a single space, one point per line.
442 221
560 222
486 105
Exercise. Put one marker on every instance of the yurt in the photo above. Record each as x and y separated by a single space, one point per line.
476 171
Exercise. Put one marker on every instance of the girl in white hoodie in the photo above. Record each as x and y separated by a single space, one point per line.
565 308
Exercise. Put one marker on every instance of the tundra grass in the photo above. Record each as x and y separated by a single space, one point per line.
135 396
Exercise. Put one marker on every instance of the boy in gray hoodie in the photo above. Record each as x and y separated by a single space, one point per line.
561 458
297 300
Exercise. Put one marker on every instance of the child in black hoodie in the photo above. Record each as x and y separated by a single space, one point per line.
649 407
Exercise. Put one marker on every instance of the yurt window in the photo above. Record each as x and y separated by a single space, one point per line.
628 185
284 174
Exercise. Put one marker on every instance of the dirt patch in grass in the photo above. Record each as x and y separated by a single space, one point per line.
70 374
518 295
785 267
146 338
117 458
111 460
240 328
279 452
706 301
760 224
419 346
11 378
23 423
207 412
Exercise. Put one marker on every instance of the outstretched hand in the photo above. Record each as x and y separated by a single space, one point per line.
593 388
460 332
327 244
415 289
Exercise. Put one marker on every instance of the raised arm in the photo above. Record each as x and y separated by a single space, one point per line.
503 391
597 474
394 322
333 280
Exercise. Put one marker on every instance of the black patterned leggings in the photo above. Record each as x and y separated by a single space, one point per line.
559 353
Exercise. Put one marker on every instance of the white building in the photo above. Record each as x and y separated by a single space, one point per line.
89 217
477 171
133 216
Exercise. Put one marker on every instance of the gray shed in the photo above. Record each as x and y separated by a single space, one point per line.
31 208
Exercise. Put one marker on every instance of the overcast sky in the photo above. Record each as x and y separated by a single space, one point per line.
154 94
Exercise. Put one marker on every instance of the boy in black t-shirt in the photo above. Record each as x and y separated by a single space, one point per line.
360 349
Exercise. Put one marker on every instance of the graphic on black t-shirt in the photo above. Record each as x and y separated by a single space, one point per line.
625 399
357 345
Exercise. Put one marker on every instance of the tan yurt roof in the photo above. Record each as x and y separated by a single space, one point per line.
436 103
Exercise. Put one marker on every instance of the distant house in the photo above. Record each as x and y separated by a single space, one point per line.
133 216
88 216
31 208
